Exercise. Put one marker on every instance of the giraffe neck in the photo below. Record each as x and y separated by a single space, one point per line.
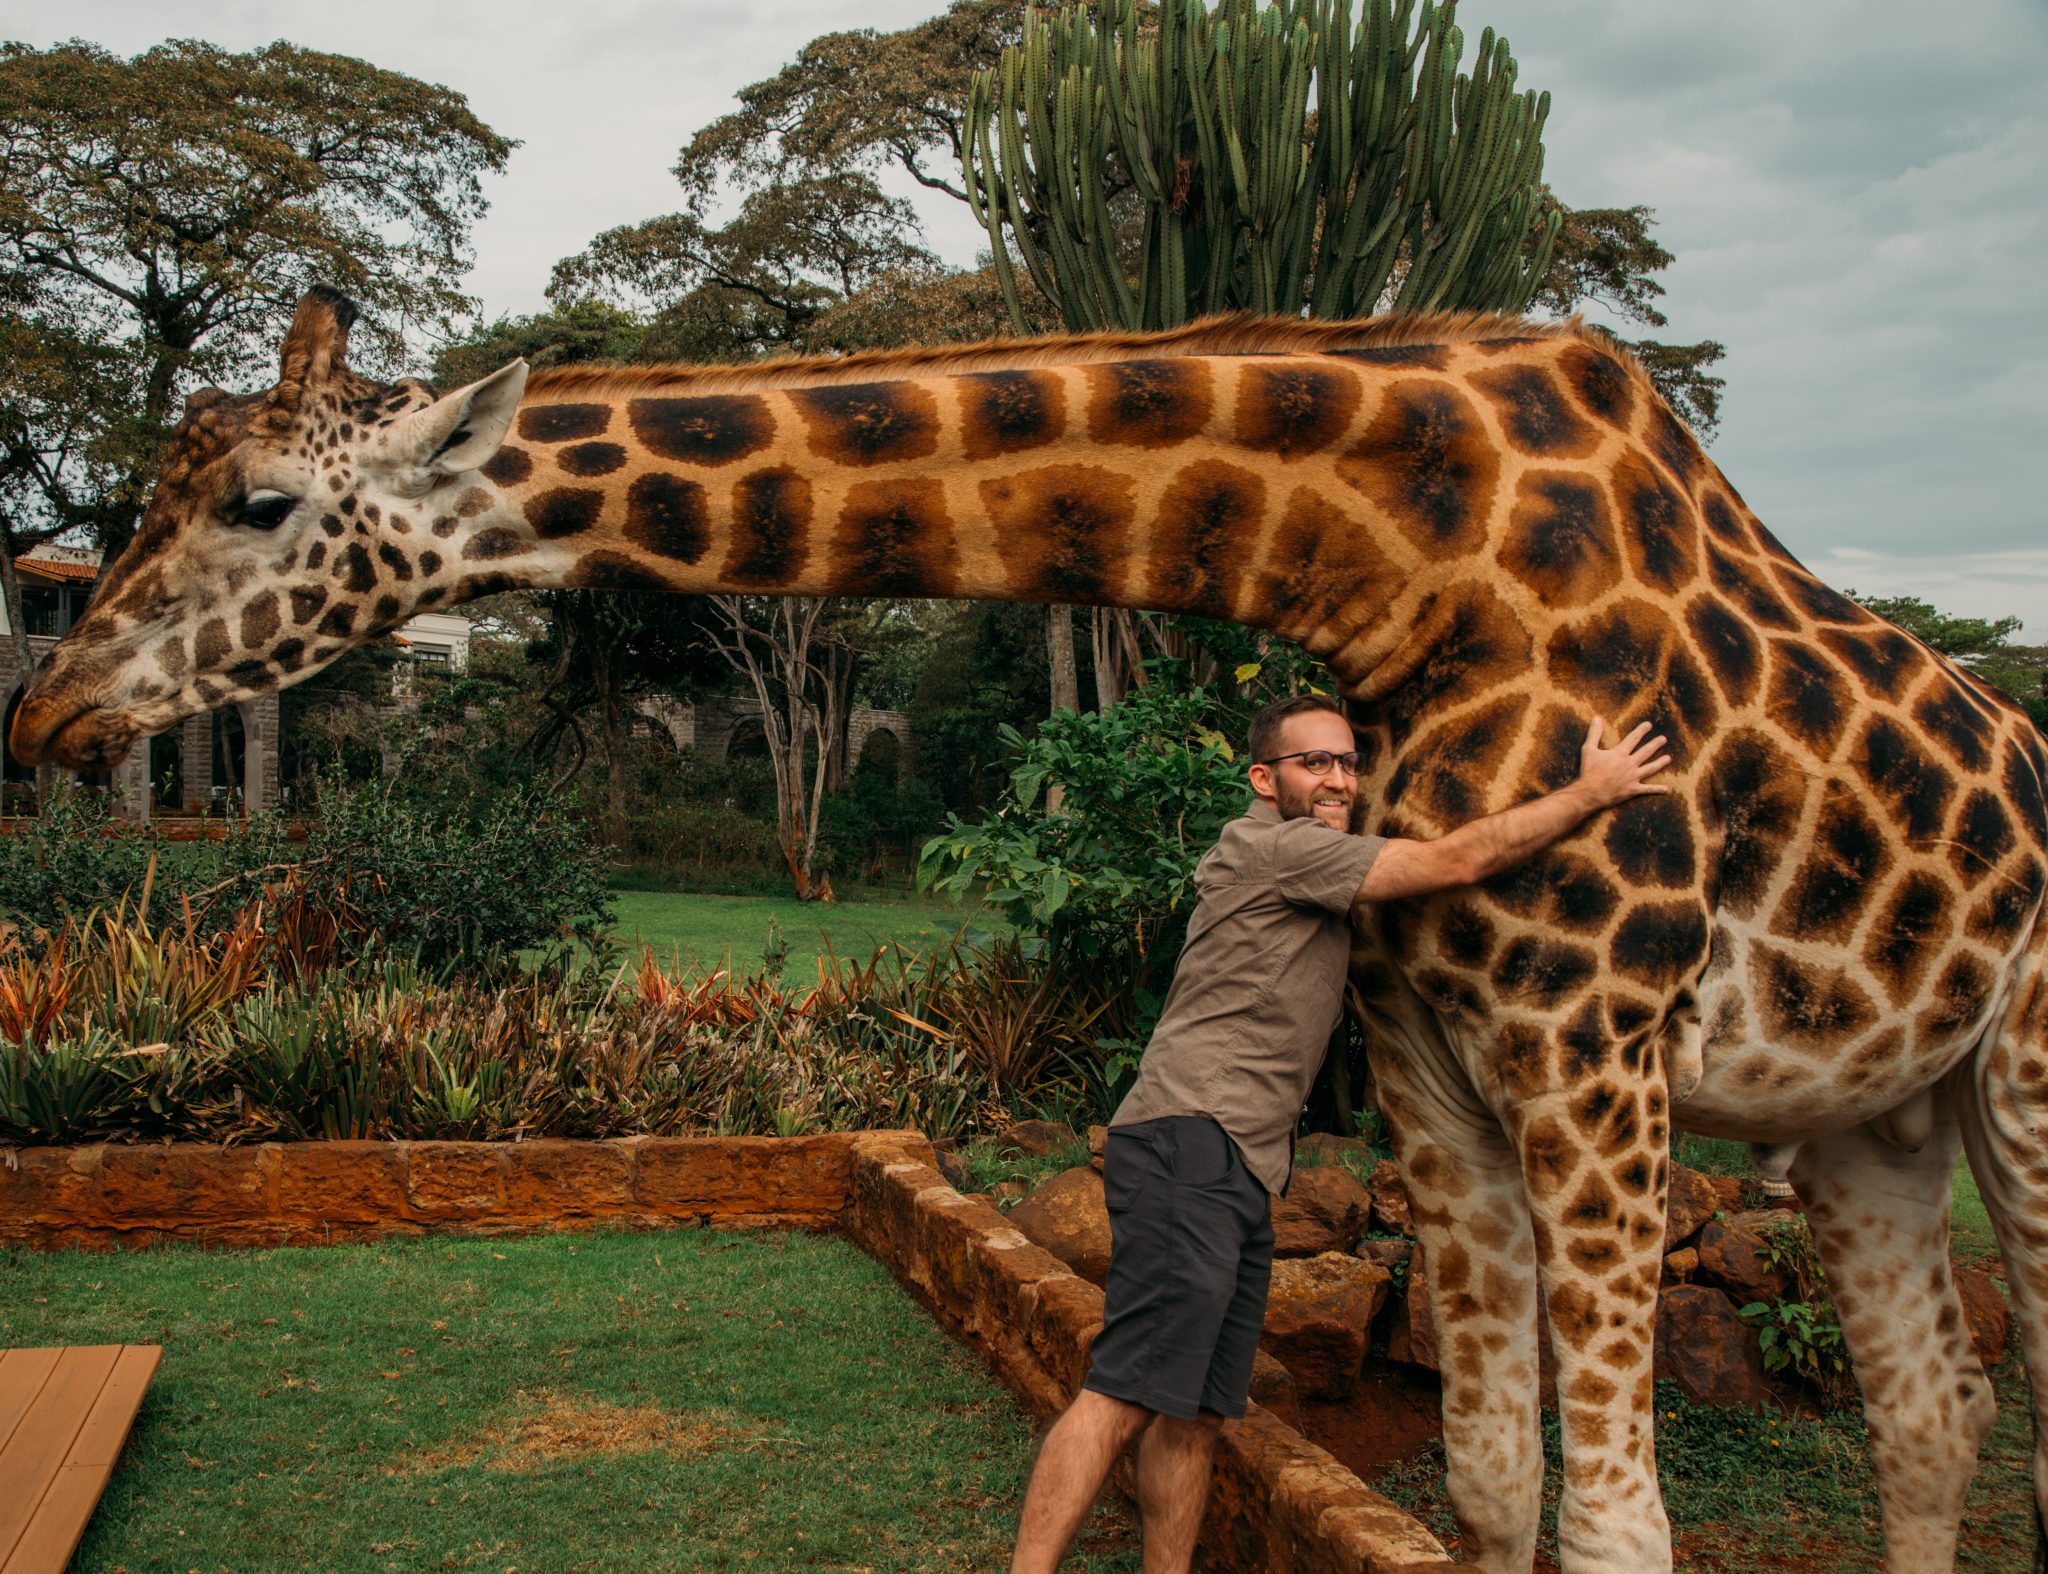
1324 497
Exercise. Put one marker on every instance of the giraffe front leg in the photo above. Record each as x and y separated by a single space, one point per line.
1879 1216
1594 1158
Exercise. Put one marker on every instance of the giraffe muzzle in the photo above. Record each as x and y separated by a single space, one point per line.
49 730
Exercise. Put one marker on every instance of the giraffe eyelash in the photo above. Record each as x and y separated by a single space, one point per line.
262 510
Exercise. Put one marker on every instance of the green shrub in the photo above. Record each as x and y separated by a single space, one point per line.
74 857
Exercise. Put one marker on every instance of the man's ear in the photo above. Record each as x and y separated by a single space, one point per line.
459 431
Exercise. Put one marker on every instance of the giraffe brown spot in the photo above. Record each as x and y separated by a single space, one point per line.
445 525
476 585
261 620
1884 661
870 423
1742 582
2008 906
1061 531
564 511
1983 835
1207 518
430 563
1817 600
1948 716
1601 382
616 571
1806 695
332 525
254 674
561 423
1292 410
389 612
354 569
1754 792
1658 532
1010 412
1660 943
1466 643
289 654
1534 414
395 560
372 513
1728 648
1549 1155
1574 1316
1612 659
1562 890
1593 1204
1456 765
1147 404
495 542
1904 777
1584 1044
705 429
210 646
1428 465
1962 996
316 554
1607 1117
340 621
1541 973
1671 440
667 516
1650 840
1846 859
2024 790
1908 934
895 538
1522 1058
1322 574
771 528
507 467
1720 518
1560 541
1804 1005
591 459
172 657
472 502
1428 357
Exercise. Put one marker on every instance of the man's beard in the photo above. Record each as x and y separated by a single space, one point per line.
1299 806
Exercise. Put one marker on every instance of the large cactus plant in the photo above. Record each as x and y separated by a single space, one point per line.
1152 168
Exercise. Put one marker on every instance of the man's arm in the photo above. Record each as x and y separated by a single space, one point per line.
1500 841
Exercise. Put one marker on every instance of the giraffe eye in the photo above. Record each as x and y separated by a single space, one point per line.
262 510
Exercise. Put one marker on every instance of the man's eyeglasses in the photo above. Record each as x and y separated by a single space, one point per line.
1317 761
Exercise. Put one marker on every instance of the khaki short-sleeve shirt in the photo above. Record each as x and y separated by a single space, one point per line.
1259 986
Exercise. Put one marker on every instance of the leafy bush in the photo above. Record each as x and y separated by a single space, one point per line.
74 857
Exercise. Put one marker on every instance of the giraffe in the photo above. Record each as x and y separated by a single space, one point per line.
1827 940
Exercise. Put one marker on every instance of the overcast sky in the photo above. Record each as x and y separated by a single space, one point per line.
1857 191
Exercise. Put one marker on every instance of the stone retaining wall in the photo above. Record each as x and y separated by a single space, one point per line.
1280 1503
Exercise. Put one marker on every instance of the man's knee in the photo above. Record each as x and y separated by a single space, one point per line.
1101 1412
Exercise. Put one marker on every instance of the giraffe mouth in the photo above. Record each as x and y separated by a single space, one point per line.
89 738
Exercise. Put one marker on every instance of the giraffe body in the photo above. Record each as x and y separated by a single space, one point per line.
1828 937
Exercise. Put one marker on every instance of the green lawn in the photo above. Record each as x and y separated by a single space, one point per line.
677 1400
707 932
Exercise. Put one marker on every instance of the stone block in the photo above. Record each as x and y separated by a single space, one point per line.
1985 1311
1708 1350
339 1183
553 1179
1335 1196
1690 1201
1068 1217
455 1180
1319 1320
1412 1335
1681 1265
1299 1233
51 1187
171 1185
1391 1214
1034 1139
1735 1257
1388 1251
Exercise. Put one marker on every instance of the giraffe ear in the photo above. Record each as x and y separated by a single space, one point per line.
459 431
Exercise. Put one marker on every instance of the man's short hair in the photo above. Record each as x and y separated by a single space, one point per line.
1264 735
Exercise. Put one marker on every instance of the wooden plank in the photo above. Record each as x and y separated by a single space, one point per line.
36 1452
22 1375
60 1520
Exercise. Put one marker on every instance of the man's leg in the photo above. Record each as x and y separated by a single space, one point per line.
1173 1488
1072 1466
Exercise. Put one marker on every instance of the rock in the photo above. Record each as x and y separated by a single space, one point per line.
1727 1191
1985 1311
1689 1202
1412 1335
1332 1193
1681 1265
954 1168
1299 1233
1319 1320
1004 1193
1708 1350
1068 1217
1034 1139
1734 1257
1273 1389
1388 1252
1390 1211
1098 1137
1326 1147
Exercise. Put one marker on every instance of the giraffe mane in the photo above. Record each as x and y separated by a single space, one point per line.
1236 333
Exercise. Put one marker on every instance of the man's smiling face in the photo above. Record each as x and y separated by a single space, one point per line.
1331 797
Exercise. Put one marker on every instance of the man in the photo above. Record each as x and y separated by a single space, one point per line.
1207 1133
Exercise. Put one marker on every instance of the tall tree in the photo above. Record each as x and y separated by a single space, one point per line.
159 218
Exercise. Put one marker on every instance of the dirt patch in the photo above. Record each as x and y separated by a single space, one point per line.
545 1427
1395 1413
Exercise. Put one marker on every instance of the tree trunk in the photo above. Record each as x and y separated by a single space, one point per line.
1059 648
24 653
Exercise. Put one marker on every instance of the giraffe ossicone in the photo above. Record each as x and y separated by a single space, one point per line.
1828 940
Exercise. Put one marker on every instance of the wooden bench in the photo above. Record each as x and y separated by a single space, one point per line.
63 1415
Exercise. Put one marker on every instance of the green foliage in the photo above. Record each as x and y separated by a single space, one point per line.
1150 174
1107 879
73 857
1801 1333
1984 645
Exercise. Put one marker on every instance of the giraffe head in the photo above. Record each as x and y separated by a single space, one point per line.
286 526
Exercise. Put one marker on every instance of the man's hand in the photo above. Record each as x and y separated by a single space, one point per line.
1612 776
1500 841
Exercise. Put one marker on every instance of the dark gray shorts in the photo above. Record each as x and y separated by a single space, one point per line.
1191 1258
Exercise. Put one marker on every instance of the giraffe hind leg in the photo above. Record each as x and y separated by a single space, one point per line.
1879 1215
2001 1095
